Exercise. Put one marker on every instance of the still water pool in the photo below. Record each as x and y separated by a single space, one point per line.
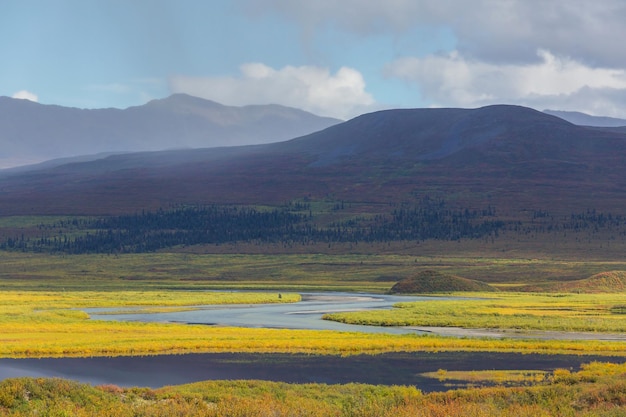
387 369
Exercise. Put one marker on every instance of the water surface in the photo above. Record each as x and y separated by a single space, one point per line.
306 314
387 369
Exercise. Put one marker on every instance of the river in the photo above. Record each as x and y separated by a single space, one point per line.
390 368
306 314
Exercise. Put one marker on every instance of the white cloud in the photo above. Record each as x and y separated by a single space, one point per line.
310 88
454 80
26 95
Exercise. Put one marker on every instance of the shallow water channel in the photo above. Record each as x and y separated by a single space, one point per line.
306 314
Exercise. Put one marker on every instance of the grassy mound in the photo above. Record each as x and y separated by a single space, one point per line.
604 282
433 281
609 282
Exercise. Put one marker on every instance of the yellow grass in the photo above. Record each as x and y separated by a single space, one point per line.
86 299
41 291
492 376
54 328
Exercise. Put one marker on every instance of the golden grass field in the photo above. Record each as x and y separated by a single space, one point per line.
40 298
40 294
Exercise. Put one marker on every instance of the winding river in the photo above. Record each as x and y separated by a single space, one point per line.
306 314
390 368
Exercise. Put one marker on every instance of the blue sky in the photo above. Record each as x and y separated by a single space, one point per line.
334 58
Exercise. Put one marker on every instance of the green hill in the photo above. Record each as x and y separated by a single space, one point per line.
604 282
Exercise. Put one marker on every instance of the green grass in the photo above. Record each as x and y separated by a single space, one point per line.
33 221
519 311
426 282
376 273
167 270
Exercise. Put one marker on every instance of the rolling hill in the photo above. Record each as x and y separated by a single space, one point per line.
510 157
32 132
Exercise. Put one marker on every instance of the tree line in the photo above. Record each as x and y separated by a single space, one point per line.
195 225
295 224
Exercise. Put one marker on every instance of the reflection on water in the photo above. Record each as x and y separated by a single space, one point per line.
387 369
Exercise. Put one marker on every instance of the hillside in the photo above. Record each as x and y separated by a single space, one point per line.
510 157
498 178
32 132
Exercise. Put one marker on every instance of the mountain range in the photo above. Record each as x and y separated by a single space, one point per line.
31 132
511 157
584 119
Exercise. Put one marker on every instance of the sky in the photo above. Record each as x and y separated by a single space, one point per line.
337 58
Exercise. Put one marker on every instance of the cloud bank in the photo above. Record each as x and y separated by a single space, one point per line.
552 81
489 30
26 95
564 54
315 89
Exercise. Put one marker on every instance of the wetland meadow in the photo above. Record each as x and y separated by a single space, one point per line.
249 334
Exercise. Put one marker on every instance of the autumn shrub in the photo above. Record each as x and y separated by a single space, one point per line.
571 394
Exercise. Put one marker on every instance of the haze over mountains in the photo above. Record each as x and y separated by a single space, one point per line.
511 157
32 132
584 119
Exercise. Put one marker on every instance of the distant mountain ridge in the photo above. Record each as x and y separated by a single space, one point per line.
35 132
507 156
583 119
423 135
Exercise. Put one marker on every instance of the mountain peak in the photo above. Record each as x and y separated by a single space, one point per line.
33 132
184 100
6 100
